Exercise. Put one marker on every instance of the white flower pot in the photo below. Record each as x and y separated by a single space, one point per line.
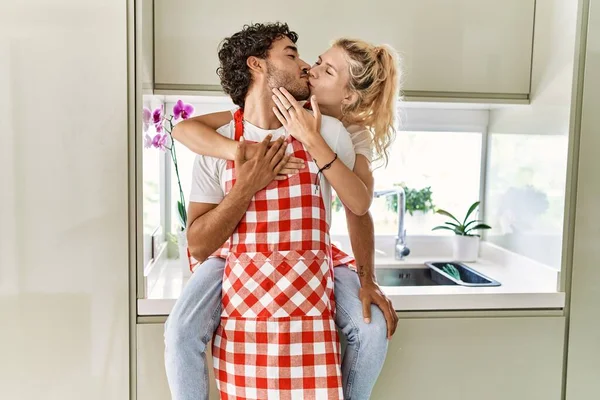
465 248
184 263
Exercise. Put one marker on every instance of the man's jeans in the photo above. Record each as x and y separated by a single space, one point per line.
197 314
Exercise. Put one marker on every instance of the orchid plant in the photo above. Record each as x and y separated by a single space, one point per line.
163 140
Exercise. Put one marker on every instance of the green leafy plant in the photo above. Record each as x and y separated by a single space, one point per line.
416 200
465 227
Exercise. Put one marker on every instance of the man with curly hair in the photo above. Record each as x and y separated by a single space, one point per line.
272 322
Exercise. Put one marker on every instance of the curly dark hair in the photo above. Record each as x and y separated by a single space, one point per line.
253 40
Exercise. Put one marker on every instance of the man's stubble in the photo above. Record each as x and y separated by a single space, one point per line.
297 87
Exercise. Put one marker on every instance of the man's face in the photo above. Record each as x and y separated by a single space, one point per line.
286 69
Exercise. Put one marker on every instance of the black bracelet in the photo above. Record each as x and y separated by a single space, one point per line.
326 166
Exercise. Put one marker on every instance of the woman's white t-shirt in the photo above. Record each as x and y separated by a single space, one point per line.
361 140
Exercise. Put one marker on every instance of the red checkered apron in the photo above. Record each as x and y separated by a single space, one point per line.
277 337
338 256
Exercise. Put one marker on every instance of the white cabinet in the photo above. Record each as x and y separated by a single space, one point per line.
429 359
459 48
151 377
474 359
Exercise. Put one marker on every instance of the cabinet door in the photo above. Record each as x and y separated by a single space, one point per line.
474 359
151 377
446 47
431 359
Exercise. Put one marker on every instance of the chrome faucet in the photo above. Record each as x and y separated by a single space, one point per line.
401 250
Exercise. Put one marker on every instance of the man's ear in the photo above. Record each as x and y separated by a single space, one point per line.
255 64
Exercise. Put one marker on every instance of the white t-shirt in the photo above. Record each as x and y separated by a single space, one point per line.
362 141
208 184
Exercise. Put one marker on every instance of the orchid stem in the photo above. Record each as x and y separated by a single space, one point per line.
174 158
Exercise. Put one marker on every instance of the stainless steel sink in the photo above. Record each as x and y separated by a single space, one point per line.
464 275
432 274
409 277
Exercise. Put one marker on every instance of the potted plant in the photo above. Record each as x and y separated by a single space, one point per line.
164 141
418 204
466 240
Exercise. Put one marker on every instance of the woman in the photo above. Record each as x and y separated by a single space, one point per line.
356 83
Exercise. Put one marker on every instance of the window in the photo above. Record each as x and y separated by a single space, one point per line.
526 194
445 158
153 191
446 162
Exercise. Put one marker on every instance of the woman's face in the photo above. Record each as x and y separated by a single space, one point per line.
328 79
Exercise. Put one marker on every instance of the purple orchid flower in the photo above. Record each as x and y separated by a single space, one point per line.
160 141
146 116
183 110
147 141
157 118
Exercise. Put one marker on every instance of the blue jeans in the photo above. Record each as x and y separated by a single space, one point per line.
197 314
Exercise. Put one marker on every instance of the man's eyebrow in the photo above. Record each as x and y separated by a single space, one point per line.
292 48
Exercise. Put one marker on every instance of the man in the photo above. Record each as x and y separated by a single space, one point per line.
254 61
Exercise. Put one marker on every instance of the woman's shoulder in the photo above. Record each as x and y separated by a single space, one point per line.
356 129
359 134
362 140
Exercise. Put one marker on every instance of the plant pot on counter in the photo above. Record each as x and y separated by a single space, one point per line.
465 248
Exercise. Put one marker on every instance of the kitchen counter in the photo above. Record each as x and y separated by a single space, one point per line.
525 284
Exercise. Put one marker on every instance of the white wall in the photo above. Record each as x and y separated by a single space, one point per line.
64 204
539 163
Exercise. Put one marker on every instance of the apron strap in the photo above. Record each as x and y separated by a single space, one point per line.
238 117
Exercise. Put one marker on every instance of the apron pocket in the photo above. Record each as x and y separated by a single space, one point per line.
278 284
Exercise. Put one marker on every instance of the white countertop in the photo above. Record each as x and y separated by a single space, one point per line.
525 284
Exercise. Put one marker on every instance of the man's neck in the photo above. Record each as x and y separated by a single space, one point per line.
258 109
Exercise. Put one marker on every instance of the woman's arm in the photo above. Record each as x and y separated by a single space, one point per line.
199 134
304 126
361 229
354 188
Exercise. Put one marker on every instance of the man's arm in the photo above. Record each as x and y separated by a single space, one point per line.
362 238
210 225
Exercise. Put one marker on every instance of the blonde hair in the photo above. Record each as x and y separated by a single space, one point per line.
374 77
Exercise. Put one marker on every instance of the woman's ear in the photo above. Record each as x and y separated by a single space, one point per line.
255 64
350 98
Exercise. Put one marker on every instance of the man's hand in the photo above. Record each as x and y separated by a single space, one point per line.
370 293
255 173
293 166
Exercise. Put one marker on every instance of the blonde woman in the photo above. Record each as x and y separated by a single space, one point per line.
356 83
